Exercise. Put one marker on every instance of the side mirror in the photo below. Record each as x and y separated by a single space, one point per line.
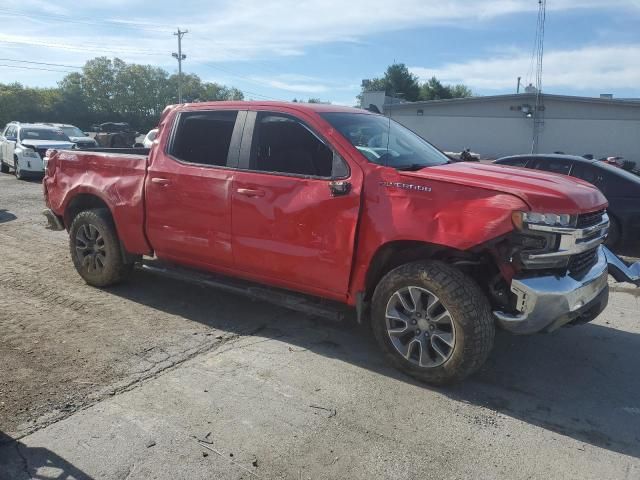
88 134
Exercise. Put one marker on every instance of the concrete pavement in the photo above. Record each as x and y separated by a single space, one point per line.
302 399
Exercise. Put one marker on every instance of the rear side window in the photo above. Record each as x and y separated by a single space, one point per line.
515 162
586 173
281 144
204 137
551 165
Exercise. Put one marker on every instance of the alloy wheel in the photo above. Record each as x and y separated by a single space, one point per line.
90 248
420 327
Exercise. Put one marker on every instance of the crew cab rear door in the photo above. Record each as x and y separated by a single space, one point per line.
295 206
188 188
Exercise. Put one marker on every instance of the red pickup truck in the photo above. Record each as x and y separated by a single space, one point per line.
320 207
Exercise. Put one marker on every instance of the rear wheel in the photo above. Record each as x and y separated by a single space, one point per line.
432 322
95 249
4 168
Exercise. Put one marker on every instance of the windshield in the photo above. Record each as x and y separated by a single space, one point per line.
73 132
385 142
43 134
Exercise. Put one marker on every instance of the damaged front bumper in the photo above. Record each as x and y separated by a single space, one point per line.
620 270
546 303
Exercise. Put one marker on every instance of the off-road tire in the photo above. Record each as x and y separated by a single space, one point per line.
115 269
469 310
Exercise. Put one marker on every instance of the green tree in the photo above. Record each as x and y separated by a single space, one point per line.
397 81
460 91
433 89
107 90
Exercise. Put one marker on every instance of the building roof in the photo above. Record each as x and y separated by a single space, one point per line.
517 97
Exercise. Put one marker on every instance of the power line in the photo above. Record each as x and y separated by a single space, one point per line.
265 97
84 21
36 68
38 63
98 49
248 79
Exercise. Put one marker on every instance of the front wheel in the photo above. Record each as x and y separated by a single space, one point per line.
17 170
432 322
95 249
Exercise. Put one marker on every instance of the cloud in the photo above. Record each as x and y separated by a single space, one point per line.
600 67
230 30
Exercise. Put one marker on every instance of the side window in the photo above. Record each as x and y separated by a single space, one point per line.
204 137
585 172
589 174
551 165
284 145
517 162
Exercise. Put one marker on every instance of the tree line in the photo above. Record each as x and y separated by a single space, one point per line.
107 90
398 81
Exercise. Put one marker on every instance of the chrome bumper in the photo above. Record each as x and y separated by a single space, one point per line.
546 303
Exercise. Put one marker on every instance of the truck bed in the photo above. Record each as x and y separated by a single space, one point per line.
114 175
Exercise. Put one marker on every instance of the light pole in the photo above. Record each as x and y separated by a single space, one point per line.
180 57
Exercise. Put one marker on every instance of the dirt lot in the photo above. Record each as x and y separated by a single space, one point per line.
65 345
102 376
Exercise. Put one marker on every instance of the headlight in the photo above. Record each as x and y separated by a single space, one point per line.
521 219
29 153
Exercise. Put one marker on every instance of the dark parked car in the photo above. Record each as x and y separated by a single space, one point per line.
621 187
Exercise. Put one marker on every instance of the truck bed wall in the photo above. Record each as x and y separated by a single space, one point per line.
117 179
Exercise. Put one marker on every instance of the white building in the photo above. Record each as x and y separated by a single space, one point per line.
500 125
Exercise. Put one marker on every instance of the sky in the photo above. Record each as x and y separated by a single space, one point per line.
285 49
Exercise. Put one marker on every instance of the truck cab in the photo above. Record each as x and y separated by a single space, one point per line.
349 208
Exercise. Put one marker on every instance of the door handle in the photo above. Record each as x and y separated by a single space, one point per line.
160 181
339 188
249 192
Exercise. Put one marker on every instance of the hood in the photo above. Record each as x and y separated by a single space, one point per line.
542 191
83 139
46 144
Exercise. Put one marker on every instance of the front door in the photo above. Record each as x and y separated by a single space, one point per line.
188 189
9 145
287 223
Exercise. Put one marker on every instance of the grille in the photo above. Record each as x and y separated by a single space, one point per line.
581 263
588 219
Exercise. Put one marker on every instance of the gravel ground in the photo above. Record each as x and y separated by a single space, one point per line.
122 382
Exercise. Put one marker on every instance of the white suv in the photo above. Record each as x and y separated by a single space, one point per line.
23 146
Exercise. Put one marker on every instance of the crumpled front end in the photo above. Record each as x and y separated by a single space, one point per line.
562 275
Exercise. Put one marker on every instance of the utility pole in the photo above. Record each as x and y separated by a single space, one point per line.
518 87
180 57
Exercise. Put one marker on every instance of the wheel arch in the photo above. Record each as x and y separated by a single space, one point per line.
80 203
398 252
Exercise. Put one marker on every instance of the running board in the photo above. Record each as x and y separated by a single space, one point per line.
620 270
299 302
